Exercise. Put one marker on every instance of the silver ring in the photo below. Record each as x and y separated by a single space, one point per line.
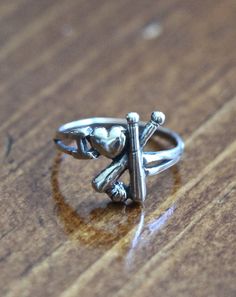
122 141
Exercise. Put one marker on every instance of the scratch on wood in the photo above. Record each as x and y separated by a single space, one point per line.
8 145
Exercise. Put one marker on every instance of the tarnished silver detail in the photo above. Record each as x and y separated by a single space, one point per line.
122 141
118 192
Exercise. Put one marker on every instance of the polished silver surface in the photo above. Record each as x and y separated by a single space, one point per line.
136 168
108 142
123 141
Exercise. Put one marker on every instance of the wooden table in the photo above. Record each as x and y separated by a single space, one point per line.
65 60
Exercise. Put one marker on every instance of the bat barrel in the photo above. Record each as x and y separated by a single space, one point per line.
137 174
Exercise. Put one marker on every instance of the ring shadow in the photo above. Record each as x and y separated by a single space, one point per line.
101 214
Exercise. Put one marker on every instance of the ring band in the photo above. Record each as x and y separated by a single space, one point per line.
122 141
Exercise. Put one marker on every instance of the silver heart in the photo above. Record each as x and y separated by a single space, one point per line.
109 143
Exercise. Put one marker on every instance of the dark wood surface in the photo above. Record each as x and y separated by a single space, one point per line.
65 60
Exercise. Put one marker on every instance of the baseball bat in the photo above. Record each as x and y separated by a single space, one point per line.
136 170
112 172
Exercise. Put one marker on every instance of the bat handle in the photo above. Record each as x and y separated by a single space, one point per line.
137 173
157 119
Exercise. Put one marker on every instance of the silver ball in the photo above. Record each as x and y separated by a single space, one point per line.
132 117
158 117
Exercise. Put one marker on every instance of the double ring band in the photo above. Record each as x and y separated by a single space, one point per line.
123 142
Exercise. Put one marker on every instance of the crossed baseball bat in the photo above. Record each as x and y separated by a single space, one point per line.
106 179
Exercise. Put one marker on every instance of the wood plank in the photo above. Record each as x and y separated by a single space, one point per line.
63 60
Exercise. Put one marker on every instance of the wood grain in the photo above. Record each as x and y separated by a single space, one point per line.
65 60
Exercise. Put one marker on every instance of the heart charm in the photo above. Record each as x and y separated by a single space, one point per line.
109 143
